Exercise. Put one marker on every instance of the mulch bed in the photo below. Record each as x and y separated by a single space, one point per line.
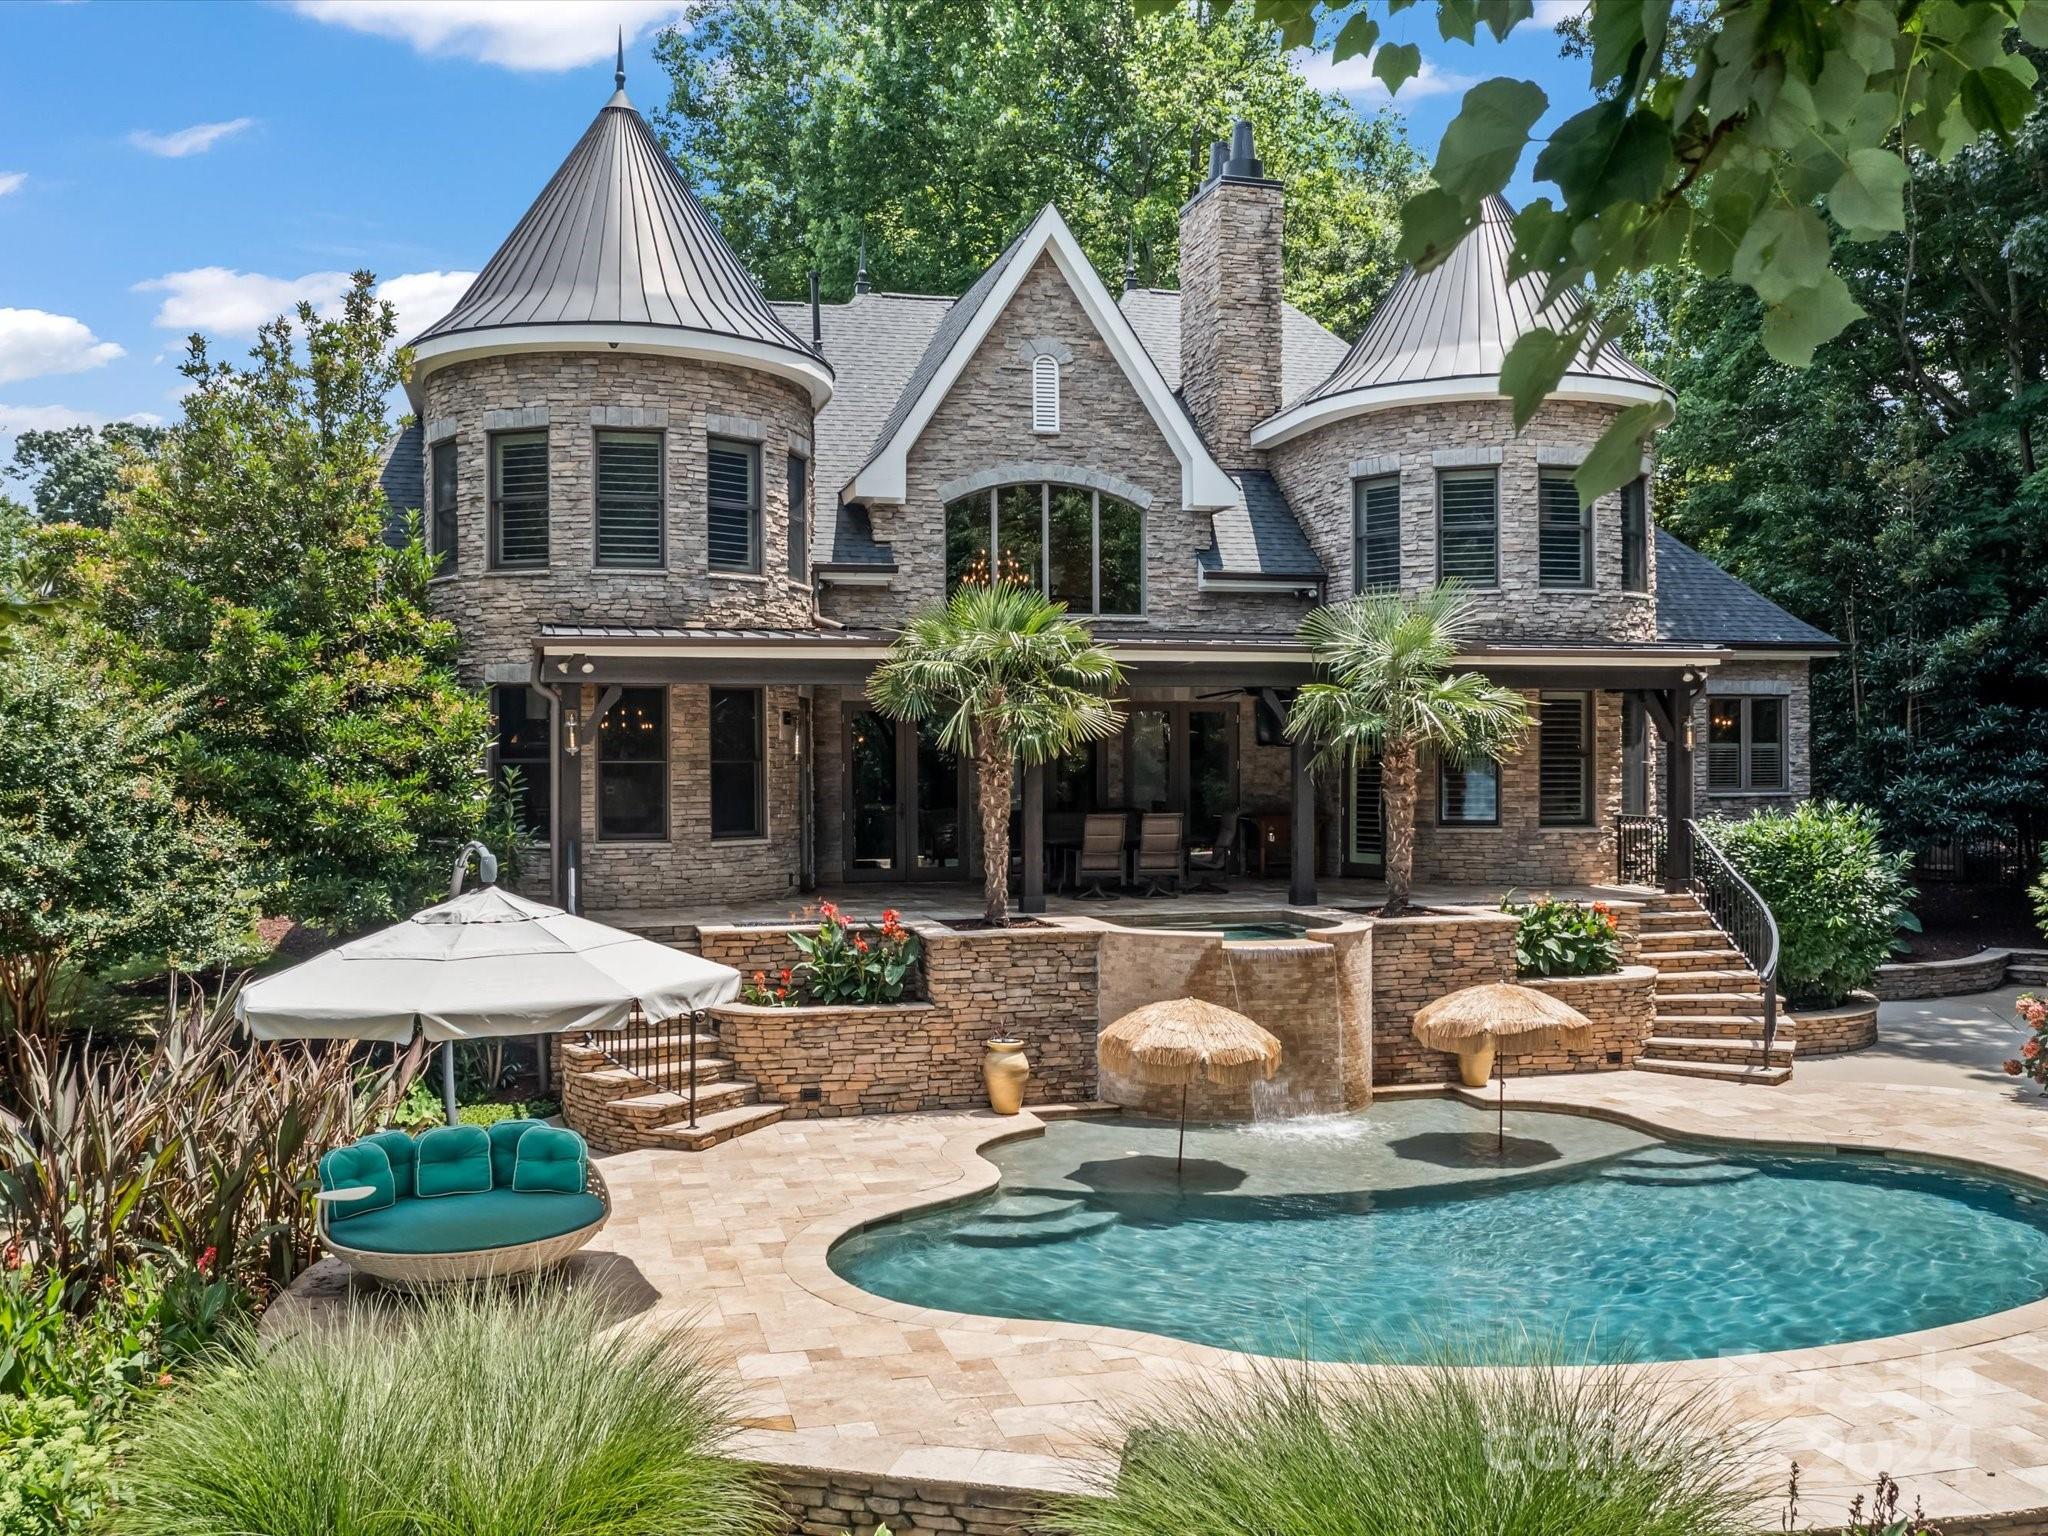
1959 920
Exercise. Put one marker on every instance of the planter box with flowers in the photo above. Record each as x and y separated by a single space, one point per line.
1575 951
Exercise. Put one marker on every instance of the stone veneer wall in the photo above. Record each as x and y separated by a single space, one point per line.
1317 470
1942 978
1105 430
688 866
1835 1031
1037 984
1315 994
1786 679
1418 959
579 393
1519 847
1622 1006
836 1501
1230 283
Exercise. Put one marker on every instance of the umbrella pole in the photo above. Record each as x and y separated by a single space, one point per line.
1500 1099
1180 1152
448 1078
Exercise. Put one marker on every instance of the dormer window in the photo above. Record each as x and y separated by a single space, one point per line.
1045 394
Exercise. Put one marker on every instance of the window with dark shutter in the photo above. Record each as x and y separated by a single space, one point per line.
1564 534
1468 527
441 524
1564 765
1724 744
632 767
1376 534
1468 794
519 499
799 519
521 719
1766 743
1746 743
629 498
737 800
1635 536
735 506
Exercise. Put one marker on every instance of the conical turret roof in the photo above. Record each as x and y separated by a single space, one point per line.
616 239
1443 334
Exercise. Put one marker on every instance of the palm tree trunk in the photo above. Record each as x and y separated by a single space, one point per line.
1397 785
993 771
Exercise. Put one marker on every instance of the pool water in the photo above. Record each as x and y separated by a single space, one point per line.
1386 1235
1235 927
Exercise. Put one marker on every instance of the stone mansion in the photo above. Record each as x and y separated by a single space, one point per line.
677 524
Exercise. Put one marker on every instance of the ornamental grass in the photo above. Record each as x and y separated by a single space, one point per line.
485 1413
1540 1450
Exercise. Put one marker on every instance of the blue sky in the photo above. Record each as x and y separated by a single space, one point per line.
172 167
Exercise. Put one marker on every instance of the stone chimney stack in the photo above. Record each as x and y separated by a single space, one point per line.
1230 300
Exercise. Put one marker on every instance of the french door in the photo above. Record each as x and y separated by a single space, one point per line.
1366 814
1182 757
907 803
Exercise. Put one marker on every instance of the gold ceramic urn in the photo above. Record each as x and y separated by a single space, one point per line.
1005 1070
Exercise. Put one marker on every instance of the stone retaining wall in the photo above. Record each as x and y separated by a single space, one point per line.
831 1501
1622 1006
1942 978
1832 1031
1417 959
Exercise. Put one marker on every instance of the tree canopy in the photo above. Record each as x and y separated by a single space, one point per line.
77 470
937 128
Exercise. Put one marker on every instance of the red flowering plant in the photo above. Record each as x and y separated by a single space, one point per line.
844 962
765 991
2032 1060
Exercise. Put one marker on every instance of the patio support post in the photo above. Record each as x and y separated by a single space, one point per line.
1301 885
448 1078
1032 897
1677 707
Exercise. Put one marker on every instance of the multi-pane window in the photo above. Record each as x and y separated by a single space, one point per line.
1468 526
519 499
1468 794
1080 547
735 506
1564 760
629 498
1635 536
632 767
799 518
1376 534
1564 533
738 804
520 716
1746 743
441 506
1045 394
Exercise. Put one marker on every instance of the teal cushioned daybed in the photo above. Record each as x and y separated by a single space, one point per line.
459 1204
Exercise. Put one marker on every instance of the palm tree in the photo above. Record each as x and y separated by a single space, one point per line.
1391 691
1009 678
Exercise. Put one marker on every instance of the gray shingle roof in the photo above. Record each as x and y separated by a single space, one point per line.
402 478
1698 601
616 238
1307 352
1260 536
1458 320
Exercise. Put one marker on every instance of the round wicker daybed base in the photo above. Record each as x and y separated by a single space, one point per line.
514 1260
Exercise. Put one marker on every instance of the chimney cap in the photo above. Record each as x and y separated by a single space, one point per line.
1244 163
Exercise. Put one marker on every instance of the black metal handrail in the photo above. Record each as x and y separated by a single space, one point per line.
654 1046
1639 850
1739 912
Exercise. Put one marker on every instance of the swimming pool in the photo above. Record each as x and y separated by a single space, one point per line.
1382 1236
1237 927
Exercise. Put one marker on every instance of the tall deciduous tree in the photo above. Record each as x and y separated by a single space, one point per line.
249 569
937 128
76 470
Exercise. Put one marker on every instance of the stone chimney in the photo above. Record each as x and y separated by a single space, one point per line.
1230 300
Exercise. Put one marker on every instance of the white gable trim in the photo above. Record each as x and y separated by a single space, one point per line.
885 477
1310 414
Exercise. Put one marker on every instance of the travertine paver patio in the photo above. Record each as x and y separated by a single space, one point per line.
833 1376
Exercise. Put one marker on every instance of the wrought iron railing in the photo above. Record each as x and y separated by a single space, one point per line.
1739 912
1639 850
655 1051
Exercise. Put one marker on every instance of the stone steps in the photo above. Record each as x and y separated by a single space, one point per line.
646 1111
1721 1026
1709 1003
1716 1071
715 1128
1678 941
1715 1048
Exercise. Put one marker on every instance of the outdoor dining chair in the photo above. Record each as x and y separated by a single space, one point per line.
1162 852
1102 853
1216 862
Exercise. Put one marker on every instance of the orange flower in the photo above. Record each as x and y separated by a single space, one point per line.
890 917
861 945
784 973
2012 1069
760 977
2031 1049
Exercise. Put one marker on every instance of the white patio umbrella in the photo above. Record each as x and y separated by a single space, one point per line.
483 964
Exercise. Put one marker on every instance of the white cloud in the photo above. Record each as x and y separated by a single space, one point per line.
517 34
1354 78
35 342
10 181
180 142
224 302
16 419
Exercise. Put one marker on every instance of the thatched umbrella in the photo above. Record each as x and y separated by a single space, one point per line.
1181 1039
1480 1022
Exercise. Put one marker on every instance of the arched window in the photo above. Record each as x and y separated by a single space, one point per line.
1084 548
1045 394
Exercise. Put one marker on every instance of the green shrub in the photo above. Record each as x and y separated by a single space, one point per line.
96 1356
1525 1451
476 1412
1564 938
1839 898
53 1466
2037 894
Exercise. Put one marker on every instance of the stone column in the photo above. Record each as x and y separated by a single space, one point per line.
1032 897
1301 885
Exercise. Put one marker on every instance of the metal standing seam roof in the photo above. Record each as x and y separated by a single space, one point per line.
617 238
1458 320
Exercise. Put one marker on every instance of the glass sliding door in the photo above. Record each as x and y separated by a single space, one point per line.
1212 773
1148 760
871 800
940 802
907 803
1183 757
